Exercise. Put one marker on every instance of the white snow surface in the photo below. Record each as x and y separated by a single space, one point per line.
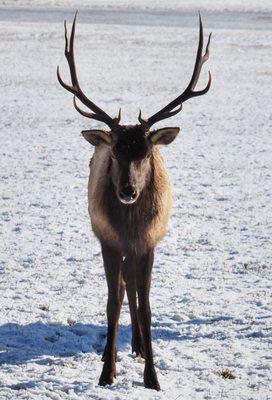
237 5
211 288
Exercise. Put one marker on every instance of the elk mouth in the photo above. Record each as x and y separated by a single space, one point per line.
128 202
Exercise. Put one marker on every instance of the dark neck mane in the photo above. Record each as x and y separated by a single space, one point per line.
131 221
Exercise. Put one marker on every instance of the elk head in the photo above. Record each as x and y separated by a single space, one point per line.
131 145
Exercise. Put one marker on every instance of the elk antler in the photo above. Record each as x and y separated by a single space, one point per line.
169 110
97 114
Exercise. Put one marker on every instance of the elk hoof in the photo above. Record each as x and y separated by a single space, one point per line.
106 378
139 353
137 348
140 359
151 380
105 381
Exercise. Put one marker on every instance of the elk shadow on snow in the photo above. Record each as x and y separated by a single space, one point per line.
45 343
34 341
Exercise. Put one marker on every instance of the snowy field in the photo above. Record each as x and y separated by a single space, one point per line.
221 5
211 291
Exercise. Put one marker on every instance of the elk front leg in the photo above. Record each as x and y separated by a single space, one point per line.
143 280
112 264
122 288
128 269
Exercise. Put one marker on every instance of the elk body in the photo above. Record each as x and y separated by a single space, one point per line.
129 197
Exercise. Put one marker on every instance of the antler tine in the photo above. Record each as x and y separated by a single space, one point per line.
200 60
82 112
140 119
118 118
96 116
169 109
69 53
98 113
164 115
66 38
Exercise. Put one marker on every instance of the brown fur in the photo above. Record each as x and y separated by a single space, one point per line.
129 228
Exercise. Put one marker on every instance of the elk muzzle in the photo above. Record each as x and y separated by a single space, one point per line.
128 194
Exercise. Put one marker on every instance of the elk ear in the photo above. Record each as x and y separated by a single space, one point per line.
164 135
96 137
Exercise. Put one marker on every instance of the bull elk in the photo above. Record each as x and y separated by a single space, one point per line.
130 200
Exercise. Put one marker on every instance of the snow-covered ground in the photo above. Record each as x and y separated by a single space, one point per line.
221 5
211 291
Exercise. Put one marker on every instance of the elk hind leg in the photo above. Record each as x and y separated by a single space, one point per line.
128 269
143 279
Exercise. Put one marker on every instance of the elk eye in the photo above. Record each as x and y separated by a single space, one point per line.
113 156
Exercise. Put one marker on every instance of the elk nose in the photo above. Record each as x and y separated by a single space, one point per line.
128 193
